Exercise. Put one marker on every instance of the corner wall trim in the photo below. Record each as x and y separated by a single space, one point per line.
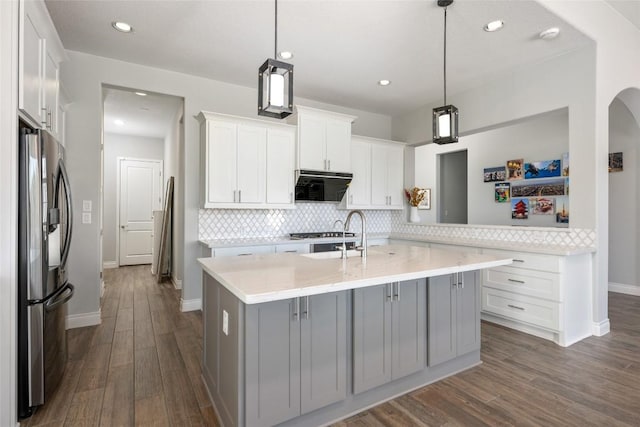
109 264
83 319
601 328
177 283
622 288
190 304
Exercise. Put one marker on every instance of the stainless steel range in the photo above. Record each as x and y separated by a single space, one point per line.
326 246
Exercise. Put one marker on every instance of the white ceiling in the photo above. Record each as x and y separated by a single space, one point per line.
151 115
341 48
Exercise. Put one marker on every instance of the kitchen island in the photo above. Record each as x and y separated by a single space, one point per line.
308 339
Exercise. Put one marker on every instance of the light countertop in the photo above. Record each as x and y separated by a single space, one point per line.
271 277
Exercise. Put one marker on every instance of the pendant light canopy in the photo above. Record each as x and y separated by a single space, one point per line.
275 83
445 118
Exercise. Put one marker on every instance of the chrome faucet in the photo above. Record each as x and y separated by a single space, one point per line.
363 235
343 247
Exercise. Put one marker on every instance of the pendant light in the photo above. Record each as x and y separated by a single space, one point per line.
445 118
275 83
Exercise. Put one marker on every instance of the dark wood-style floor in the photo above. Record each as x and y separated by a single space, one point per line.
141 366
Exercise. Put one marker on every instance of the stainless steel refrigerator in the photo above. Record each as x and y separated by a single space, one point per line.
44 229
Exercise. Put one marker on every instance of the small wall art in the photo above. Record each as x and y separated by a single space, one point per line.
542 206
497 173
615 162
547 187
562 210
519 208
543 169
426 202
565 164
502 191
515 169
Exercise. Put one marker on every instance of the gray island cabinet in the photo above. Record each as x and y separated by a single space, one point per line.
293 341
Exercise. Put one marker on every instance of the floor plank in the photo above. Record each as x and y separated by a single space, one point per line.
141 366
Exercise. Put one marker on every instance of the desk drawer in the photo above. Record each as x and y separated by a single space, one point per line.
529 260
539 284
522 308
243 250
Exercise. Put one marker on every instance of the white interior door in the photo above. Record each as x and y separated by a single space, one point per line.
140 194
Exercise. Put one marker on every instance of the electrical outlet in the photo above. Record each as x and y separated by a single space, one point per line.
225 322
86 217
86 206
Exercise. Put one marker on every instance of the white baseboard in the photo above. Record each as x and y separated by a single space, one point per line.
190 304
621 288
109 264
83 319
177 283
601 328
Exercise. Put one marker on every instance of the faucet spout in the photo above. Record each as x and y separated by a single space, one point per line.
363 232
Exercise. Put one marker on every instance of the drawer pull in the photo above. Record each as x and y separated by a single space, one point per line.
244 254
518 260
291 251
516 281
516 307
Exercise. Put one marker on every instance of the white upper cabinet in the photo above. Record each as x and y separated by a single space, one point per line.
246 163
324 140
40 54
378 174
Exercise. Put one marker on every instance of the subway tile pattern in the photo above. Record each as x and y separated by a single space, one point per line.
309 217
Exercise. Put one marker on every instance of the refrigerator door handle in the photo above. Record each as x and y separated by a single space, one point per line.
63 179
64 294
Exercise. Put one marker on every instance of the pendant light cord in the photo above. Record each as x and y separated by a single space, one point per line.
445 55
275 47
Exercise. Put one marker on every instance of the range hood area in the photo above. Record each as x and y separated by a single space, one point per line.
321 186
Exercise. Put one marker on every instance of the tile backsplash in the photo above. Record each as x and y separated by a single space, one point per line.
308 217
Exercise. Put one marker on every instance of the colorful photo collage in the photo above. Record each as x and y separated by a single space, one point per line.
533 188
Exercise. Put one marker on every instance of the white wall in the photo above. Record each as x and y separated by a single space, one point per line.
537 138
624 136
118 145
172 162
82 77
8 209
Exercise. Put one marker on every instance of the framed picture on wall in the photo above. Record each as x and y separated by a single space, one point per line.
426 202
542 205
502 192
562 210
615 162
543 169
519 208
497 173
565 164
515 169
539 188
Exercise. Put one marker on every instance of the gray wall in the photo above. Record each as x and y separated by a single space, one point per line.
624 197
82 77
452 187
117 145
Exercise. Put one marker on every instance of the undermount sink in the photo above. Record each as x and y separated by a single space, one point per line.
331 254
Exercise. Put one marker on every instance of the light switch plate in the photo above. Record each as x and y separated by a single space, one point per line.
86 206
86 217
225 322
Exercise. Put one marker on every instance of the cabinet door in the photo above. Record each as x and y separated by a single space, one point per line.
50 93
251 164
360 187
311 144
379 195
30 64
221 160
323 362
395 175
272 362
442 319
371 337
338 143
468 314
409 327
280 166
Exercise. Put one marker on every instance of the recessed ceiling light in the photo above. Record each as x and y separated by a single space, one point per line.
285 54
140 93
550 33
494 26
121 26
118 122
384 82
